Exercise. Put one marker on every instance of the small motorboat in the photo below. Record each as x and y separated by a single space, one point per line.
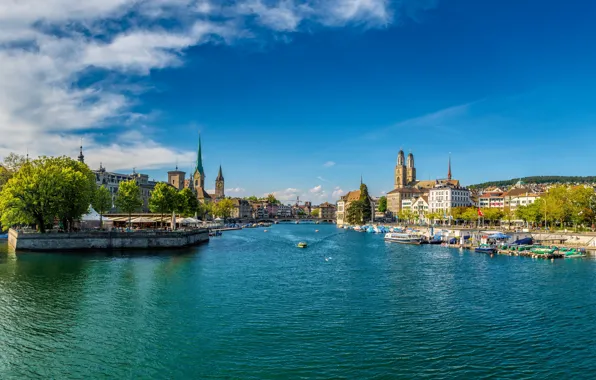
485 248
302 245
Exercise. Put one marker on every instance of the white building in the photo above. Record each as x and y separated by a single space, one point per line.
284 211
445 197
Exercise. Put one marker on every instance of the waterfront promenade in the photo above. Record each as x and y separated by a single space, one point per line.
105 240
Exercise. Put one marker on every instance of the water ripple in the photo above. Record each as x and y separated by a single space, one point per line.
250 305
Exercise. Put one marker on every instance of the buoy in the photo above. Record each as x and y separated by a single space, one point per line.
552 260
265 231
316 230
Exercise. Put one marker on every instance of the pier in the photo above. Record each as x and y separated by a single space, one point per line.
100 240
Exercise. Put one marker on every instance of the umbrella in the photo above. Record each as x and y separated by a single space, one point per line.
142 219
173 220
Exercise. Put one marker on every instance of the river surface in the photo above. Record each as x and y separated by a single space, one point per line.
251 305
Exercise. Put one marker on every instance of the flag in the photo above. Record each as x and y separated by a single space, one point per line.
480 213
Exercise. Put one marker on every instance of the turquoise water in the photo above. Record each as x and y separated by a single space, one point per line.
251 305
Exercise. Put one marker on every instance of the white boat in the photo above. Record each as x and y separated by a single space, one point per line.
403 238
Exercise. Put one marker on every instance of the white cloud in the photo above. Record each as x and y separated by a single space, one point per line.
329 164
317 189
289 194
235 190
337 192
49 47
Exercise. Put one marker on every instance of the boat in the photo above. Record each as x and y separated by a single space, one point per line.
485 248
572 253
543 250
302 245
403 238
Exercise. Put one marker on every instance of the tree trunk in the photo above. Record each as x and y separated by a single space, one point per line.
100 220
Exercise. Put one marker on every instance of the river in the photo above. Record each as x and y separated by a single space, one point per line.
252 305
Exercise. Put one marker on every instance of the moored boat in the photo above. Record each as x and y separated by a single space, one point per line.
403 238
485 248
302 245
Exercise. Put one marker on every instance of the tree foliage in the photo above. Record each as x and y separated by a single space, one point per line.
128 199
46 189
102 202
366 206
383 204
189 203
163 199
315 213
354 212
538 180
224 208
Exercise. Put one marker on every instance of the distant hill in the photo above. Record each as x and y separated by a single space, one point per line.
536 180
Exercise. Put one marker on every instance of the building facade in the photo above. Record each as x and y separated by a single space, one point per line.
284 211
242 209
112 182
327 211
344 203
176 178
443 198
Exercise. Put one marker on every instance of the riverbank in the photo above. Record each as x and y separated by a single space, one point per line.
104 240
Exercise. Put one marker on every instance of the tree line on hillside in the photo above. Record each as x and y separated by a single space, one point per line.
48 189
537 180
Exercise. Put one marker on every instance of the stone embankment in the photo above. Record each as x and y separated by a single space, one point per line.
21 241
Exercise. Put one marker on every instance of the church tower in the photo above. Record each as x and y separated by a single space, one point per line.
411 170
198 178
400 171
219 185
81 157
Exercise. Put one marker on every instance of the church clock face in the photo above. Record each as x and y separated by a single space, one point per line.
219 185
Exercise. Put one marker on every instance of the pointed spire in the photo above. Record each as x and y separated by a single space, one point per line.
81 156
360 179
449 171
219 175
199 167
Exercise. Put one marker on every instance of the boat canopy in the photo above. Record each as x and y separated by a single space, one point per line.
524 241
499 235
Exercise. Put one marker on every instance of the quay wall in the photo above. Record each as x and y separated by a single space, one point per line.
20 241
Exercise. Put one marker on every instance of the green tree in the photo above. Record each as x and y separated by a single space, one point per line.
252 198
224 208
315 213
271 199
163 199
470 215
128 199
102 202
365 199
78 182
190 203
354 212
383 204
45 189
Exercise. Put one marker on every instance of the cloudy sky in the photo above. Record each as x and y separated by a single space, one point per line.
302 97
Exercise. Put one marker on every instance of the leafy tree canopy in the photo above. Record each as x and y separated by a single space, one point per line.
46 189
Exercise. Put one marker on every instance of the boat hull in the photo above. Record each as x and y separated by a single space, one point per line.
405 241
485 250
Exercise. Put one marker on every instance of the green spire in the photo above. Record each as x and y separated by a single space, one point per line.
199 167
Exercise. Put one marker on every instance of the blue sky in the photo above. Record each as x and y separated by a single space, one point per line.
303 97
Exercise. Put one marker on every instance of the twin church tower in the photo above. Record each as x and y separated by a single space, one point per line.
197 181
405 173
